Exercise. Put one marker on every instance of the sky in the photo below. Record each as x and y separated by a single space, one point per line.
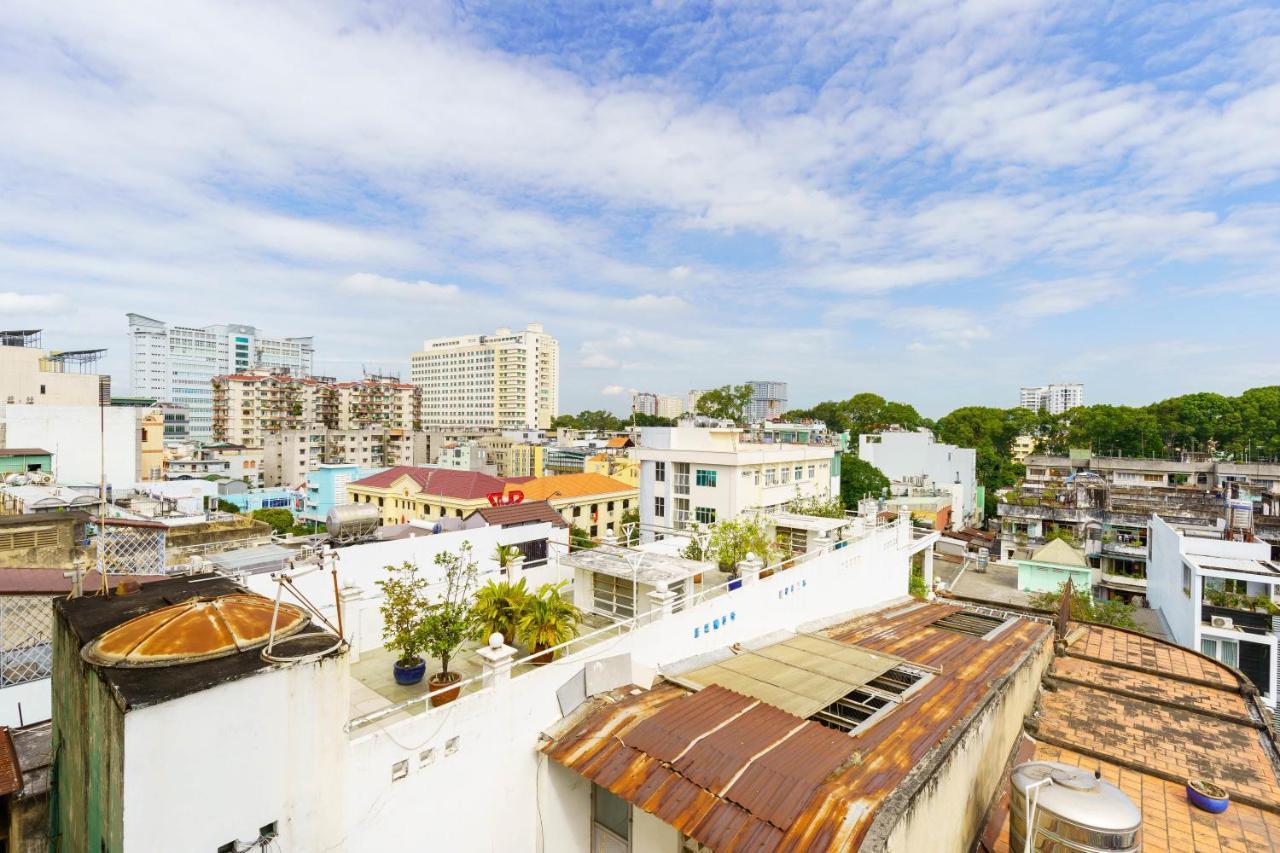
938 201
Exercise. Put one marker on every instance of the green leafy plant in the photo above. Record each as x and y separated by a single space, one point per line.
1085 609
404 605
817 506
227 506
506 555
629 517
448 620
579 539
916 587
548 619
694 550
498 608
281 520
733 540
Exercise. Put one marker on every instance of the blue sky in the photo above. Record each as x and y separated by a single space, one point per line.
936 200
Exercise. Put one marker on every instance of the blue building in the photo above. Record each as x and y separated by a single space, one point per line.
276 498
327 487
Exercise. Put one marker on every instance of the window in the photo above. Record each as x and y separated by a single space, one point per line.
660 507
704 515
1226 651
41 389
1186 580
682 513
682 478
609 507
659 472
770 476
706 478
800 473
811 469
594 531
786 475
611 822
577 512
613 596
757 477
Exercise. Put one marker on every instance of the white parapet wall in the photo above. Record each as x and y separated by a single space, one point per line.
477 759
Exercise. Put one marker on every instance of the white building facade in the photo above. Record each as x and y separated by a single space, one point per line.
914 458
507 380
1054 399
768 400
703 475
177 364
1212 594
75 435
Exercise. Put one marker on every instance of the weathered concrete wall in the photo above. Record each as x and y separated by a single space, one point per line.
88 753
958 778
59 554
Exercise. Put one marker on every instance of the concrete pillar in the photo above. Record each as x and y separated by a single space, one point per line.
662 600
496 661
609 537
904 526
749 569
513 568
928 573
347 596
822 542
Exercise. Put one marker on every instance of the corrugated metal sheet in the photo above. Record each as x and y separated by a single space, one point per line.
801 675
807 788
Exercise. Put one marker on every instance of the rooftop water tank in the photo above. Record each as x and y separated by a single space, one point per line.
347 523
1073 810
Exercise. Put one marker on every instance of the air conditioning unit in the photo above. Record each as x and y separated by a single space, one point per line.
1222 622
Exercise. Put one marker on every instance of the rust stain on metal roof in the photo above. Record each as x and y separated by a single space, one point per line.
737 774
194 630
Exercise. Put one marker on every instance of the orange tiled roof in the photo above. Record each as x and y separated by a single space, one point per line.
620 441
570 486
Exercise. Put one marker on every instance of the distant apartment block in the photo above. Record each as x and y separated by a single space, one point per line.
33 376
914 458
1054 399
289 456
506 380
657 405
768 400
178 363
249 406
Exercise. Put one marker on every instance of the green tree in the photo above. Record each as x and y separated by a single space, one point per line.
448 620
727 402
227 506
859 478
281 520
579 539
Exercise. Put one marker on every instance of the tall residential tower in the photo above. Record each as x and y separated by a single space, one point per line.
177 364
507 380
1054 399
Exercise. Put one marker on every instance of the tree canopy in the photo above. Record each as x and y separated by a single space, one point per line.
600 420
728 402
859 478
861 413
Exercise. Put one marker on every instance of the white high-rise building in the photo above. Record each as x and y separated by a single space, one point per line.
177 364
1054 399
660 405
507 380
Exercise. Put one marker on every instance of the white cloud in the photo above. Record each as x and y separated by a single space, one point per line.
370 284
599 361
615 390
1064 296
31 303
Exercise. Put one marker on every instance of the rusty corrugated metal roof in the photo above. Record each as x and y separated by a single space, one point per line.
737 774
10 769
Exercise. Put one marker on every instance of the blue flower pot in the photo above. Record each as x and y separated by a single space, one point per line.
407 675
1207 796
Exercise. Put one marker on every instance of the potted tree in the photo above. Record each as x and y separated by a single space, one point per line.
497 609
548 620
509 558
447 622
404 603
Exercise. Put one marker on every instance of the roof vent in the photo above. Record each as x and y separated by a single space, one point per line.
195 630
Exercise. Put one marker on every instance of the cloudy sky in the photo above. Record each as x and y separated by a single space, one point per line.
935 200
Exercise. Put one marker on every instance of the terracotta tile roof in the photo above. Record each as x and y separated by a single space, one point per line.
570 486
528 512
10 770
23 451
444 482
1151 715
620 441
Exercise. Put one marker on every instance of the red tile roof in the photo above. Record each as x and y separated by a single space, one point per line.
528 512
444 482
10 770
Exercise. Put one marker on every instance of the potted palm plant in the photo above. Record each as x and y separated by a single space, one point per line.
548 620
404 603
497 609
509 558
447 622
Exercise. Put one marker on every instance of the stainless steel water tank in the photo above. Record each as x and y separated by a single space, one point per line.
1073 811
347 523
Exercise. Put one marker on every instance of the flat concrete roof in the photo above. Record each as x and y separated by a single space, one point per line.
653 569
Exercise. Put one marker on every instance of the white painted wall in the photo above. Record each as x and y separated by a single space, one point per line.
36 698
216 765
907 454
497 729
71 434
1164 583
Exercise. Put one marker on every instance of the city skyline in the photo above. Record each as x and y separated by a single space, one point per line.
843 200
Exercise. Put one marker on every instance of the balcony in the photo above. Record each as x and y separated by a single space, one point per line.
1249 621
1125 549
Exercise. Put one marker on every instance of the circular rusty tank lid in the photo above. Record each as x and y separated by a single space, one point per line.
195 630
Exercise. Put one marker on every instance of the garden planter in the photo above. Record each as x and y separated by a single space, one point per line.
407 675
697 578
541 656
444 679
1206 795
766 573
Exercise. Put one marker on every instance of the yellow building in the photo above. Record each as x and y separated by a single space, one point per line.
1022 447
590 501
512 458
621 468
151 445
404 493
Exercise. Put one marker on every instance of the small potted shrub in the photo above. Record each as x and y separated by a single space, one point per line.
509 558
497 609
404 604
548 620
447 622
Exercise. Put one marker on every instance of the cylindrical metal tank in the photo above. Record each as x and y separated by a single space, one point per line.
1073 810
347 523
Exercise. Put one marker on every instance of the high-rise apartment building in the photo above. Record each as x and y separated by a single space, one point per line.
768 400
659 405
1054 399
507 380
249 406
177 364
